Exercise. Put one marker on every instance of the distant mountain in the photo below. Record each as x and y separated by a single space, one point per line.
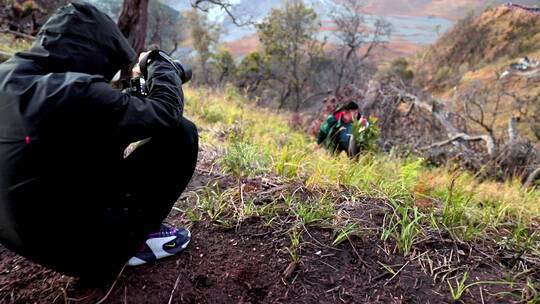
410 31
179 5
417 23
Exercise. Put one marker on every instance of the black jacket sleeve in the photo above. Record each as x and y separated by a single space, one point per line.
136 118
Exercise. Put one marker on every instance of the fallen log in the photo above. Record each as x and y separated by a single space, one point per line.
490 144
436 109
532 178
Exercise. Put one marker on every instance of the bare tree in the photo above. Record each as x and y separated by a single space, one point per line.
528 108
226 6
164 28
354 33
478 119
204 35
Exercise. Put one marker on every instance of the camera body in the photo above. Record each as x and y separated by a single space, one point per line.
137 85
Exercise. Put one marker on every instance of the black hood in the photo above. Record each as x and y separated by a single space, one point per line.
80 38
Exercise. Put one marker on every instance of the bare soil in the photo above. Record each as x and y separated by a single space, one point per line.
249 263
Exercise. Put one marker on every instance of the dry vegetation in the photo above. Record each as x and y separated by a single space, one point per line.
419 202
267 203
497 37
277 219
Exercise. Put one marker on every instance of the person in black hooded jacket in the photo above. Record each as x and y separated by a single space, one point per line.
68 198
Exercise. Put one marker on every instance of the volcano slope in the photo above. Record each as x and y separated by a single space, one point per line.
277 220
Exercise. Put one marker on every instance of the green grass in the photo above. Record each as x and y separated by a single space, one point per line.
256 142
245 159
460 288
295 236
343 234
403 226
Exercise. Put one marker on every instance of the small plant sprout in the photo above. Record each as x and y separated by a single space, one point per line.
294 249
460 287
344 233
403 226
214 204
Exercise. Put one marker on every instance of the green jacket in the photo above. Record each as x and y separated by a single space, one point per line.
327 132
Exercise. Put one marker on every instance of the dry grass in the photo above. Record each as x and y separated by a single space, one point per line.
9 44
256 142
270 171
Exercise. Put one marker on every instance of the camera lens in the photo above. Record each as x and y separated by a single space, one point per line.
187 73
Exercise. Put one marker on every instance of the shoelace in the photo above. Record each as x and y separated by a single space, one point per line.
165 230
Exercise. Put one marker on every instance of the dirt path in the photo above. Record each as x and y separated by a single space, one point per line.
250 263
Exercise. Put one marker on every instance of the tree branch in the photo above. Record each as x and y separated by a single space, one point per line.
315 95
532 178
23 35
437 110
490 144
512 130
224 5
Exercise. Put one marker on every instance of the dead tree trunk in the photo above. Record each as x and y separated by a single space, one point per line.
512 130
454 135
372 95
132 23
532 178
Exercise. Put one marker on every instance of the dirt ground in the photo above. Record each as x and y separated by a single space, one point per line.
247 266
249 263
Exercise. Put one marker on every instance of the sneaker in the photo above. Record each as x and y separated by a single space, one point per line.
167 242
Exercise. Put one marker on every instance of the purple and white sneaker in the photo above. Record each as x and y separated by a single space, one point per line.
167 242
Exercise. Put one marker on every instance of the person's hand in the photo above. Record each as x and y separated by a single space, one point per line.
136 71
363 121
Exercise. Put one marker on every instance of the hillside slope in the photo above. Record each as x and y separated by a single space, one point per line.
467 62
452 9
277 220
480 45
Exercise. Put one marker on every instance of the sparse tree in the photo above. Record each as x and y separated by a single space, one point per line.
252 71
204 36
356 35
224 65
288 39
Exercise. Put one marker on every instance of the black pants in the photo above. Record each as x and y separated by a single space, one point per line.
156 173
146 185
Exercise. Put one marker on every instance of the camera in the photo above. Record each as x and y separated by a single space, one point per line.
137 85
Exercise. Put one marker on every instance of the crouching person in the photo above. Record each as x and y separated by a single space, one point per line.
69 199
336 132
